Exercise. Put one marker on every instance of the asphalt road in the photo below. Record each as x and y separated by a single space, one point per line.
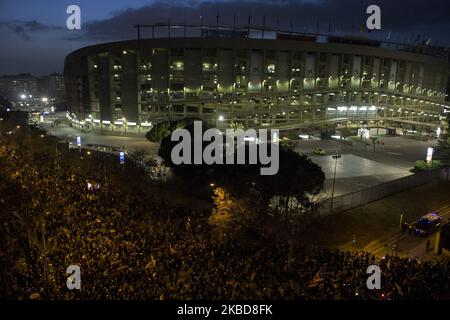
408 245
131 144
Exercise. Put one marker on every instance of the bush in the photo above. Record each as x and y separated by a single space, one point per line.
422 165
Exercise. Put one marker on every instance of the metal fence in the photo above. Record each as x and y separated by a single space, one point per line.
359 198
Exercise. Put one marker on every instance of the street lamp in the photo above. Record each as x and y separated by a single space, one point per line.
336 157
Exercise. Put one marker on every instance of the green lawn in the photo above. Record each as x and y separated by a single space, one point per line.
378 219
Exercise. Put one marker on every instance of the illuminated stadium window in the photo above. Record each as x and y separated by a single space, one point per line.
177 65
271 68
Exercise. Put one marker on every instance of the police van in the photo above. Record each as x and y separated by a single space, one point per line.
427 225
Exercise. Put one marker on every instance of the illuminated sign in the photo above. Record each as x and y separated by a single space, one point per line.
430 152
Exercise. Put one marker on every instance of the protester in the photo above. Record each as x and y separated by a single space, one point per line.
134 245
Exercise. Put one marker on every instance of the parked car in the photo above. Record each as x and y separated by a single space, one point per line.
319 151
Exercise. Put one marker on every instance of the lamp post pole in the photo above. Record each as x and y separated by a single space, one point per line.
336 157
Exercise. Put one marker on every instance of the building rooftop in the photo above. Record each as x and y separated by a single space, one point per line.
166 30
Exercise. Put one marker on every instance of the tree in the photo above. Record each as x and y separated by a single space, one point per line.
236 178
158 132
345 132
231 217
443 149
298 178
163 129
166 146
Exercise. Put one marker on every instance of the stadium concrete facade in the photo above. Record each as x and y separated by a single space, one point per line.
291 82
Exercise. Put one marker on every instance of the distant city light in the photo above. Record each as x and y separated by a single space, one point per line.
44 99
22 96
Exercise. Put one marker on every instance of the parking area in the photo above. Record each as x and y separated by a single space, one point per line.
362 166
355 173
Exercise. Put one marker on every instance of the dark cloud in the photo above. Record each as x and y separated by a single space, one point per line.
431 18
404 19
24 29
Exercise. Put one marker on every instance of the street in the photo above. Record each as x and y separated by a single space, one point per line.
408 245
67 133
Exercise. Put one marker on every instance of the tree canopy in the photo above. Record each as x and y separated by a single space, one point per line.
443 149
297 178
163 129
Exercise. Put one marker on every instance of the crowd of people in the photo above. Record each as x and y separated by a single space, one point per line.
134 245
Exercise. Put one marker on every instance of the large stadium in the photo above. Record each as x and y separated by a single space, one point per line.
257 78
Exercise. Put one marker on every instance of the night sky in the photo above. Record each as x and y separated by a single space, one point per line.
34 37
